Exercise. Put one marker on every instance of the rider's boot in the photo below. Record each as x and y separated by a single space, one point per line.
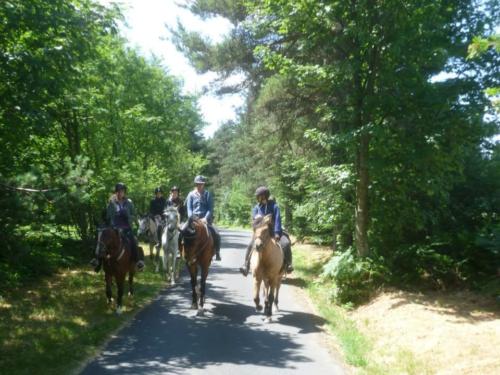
140 262
245 268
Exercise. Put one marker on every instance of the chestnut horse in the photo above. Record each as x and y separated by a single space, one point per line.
267 265
117 262
197 248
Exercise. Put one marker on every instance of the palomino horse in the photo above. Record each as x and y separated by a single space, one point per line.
170 243
117 262
197 246
267 265
149 227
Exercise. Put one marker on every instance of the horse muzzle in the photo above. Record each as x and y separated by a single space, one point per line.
259 245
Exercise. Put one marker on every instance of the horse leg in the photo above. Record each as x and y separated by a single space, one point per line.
203 284
267 289
278 286
256 291
174 267
193 270
270 301
108 280
120 281
165 261
131 283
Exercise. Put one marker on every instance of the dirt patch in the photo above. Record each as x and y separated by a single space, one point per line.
452 333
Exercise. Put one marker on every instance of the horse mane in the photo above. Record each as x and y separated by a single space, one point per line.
259 222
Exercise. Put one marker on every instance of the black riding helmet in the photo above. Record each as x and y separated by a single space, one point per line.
120 186
158 190
262 190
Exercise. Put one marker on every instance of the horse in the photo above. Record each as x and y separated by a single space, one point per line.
117 262
149 227
267 265
170 244
198 248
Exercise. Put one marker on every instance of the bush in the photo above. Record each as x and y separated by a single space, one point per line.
355 278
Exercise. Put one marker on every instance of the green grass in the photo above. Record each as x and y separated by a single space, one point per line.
354 345
50 327
358 349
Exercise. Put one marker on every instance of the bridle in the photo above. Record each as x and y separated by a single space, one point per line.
104 246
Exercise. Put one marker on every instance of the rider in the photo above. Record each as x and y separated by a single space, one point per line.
156 208
176 201
264 207
200 203
120 214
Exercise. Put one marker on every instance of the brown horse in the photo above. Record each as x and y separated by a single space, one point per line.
267 265
197 248
117 262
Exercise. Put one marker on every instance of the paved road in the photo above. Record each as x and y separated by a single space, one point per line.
167 338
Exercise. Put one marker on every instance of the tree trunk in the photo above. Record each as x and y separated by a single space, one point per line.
362 215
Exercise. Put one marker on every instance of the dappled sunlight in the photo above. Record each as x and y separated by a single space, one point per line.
64 316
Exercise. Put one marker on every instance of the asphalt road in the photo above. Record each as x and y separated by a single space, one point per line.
167 337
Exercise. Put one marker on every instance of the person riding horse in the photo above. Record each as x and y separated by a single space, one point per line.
176 201
200 203
266 206
120 214
156 208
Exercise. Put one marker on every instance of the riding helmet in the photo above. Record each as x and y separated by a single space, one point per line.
262 190
174 188
200 179
120 186
158 190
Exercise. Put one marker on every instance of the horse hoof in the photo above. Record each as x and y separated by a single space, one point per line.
194 306
119 310
201 312
258 308
276 309
267 319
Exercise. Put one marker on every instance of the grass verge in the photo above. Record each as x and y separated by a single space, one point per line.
357 348
50 327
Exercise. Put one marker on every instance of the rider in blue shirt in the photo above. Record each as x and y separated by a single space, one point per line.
266 206
200 203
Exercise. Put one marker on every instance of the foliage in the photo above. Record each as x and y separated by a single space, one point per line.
355 279
362 142
80 111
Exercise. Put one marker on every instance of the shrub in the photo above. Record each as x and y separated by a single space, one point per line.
355 278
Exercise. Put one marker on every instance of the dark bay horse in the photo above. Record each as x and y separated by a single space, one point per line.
117 262
267 265
197 248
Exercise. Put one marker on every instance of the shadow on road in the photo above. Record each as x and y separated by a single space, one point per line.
167 337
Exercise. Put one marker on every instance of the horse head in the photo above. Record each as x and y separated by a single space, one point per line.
143 225
171 218
262 228
108 242
194 234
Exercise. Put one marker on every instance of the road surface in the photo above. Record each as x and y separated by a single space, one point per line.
167 337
